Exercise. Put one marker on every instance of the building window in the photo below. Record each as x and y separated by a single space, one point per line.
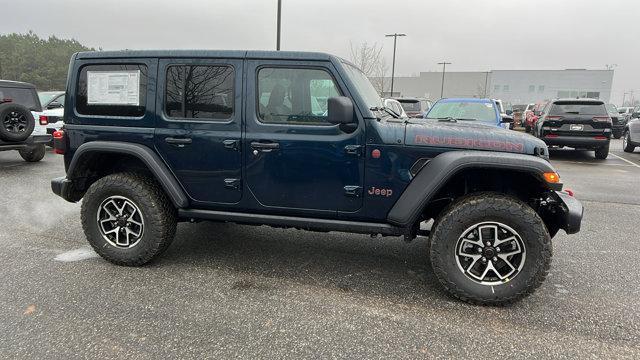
496 88
505 88
540 89
532 88
199 92
593 95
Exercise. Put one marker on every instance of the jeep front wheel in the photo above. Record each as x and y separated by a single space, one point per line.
128 219
490 249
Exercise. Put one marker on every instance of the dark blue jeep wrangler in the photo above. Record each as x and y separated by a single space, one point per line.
300 140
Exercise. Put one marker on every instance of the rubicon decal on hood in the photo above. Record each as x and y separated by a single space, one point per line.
471 143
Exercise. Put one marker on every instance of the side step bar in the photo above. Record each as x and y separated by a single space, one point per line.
294 222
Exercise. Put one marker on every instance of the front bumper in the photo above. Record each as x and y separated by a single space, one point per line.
572 212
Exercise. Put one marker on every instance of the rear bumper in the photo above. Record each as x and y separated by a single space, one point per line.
576 141
572 211
31 141
62 187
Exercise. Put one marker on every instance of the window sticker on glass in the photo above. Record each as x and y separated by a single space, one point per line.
113 87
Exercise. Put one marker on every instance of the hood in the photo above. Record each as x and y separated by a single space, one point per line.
469 135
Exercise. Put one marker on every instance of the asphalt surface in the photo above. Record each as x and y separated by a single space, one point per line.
230 291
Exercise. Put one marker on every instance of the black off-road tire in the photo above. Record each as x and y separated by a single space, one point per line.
33 153
158 214
602 153
626 143
490 207
16 122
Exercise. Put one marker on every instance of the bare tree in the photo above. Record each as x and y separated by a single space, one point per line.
370 60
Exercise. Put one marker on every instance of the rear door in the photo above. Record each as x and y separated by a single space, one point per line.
198 128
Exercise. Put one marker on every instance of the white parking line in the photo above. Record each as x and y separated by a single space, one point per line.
625 160
82 253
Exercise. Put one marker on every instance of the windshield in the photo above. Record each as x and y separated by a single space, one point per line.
479 111
411 105
46 96
612 109
363 85
578 108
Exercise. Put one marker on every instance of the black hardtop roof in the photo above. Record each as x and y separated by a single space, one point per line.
234 54
16 84
580 100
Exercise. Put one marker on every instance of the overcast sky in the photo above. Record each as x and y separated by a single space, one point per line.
472 34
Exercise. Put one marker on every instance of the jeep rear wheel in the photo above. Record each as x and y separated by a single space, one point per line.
33 154
128 219
490 249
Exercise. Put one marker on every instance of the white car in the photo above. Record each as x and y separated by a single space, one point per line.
395 106
52 111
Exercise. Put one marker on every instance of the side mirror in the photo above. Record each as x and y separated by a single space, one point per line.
509 112
506 119
340 110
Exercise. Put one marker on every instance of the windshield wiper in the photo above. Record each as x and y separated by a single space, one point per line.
385 109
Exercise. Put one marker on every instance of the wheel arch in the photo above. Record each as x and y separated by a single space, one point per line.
451 175
95 159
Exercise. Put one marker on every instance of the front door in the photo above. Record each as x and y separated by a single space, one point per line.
295 160
198 127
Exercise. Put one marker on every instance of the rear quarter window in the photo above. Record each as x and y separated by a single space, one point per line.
112 90
22 96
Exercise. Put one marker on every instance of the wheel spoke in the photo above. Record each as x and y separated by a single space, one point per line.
120 221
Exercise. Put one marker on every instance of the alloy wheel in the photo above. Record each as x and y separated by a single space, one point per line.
490 253
15 122
120 222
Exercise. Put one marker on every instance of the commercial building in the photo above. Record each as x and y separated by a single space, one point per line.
512 86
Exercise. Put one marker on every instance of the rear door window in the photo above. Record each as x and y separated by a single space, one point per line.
578 108
199 92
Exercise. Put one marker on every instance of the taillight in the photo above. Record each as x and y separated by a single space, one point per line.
600 137
602 118
551 136
59 145
44 120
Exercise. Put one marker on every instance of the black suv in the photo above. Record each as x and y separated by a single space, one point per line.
577 123
300 140
17 102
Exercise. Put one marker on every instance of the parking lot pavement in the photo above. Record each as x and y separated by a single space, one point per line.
229 291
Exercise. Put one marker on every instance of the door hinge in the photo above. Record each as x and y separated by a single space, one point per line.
353 190
353 149
231 144
232 184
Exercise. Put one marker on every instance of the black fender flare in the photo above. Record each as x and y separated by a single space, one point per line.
153 162
437 172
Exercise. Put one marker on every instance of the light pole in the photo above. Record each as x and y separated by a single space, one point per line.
393 63
278 35
624 95
444 67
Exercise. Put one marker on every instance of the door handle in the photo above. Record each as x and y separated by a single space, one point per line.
265 146
180 142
